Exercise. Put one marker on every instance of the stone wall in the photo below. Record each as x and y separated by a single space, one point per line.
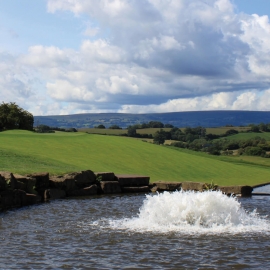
18 190
23 190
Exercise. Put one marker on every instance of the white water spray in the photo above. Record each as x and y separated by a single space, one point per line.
193 212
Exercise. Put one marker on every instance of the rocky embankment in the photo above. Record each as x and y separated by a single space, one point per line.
23 190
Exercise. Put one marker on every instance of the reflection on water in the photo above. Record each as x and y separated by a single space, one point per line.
263 189
166 231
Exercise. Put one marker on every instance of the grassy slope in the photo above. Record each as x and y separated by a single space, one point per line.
246 136
25 152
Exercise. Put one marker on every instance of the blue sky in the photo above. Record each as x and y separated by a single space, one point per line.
137 56
260 7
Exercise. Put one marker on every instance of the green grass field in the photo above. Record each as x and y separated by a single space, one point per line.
246 136
107 131
222 130
60 152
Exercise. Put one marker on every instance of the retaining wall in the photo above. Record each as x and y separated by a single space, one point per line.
22 190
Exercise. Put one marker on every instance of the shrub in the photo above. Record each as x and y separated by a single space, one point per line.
231 132
100 126
254 151
179 144
115 127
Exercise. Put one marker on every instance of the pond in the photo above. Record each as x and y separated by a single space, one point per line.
157 231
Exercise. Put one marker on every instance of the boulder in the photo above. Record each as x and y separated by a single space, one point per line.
66 183
26 183
21 185
13 198
82 179
3 183
135 189
42 180
133 180
11 182
92 190
110 187
166 186
195 186
244 191
57 194
105 176
31 199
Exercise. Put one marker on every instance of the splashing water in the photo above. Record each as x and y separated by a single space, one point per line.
193 212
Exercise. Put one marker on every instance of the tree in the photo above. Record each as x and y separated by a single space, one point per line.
115 127
14 117
263 127
160 137
254 128
101 126
44 129
132 131
168 126
231 132
155 124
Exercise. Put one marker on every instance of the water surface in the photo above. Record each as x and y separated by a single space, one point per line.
165 231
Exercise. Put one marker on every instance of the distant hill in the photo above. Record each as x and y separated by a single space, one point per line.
178 119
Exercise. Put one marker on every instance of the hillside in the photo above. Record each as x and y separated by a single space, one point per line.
178 119
61 152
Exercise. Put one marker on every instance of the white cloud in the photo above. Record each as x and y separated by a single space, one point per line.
252 100
147 55
91 31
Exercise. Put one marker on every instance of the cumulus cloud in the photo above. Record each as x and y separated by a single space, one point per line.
150 56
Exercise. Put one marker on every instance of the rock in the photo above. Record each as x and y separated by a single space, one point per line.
166 186
133 180
92 190
11 181
244 191
82 179
196 186
110 187
6 175
21 185
3 183
105 176
66 183
57 194
13 198
42 180
135 189
29 183
31 199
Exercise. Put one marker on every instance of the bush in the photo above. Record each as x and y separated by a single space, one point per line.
254 151
159 137
100 126
231 146
179 144
115 127
213 151
231 132
227 153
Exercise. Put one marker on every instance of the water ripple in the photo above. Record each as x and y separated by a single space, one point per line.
84 233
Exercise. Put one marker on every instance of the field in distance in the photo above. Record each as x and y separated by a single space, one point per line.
60 152
107 131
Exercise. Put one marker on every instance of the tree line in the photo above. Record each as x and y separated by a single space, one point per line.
14 117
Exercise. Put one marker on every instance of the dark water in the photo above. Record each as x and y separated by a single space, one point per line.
99 233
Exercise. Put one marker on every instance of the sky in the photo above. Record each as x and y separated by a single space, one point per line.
135 56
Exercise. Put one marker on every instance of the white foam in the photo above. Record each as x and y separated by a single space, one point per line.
193 212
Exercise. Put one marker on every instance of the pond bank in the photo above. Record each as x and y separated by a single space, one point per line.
22 190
